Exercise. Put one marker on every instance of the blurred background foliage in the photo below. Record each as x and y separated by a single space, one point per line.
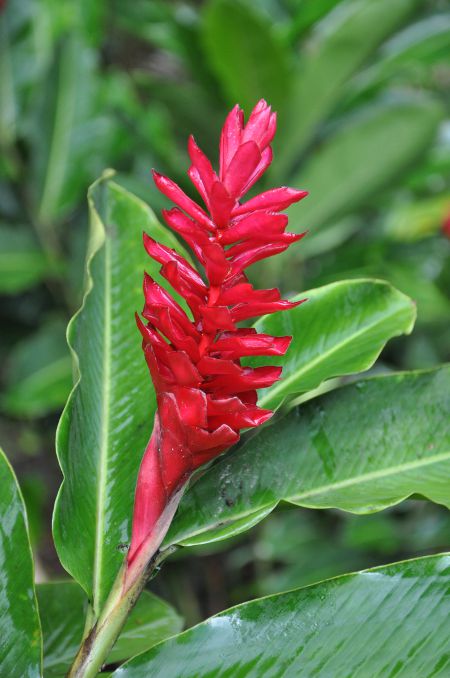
362 90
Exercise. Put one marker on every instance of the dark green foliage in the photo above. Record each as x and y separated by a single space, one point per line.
361 88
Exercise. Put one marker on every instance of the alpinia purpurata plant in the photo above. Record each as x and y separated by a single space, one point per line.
204 395
359 448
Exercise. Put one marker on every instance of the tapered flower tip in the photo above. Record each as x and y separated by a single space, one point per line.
274 200
261 125
260 130
261 105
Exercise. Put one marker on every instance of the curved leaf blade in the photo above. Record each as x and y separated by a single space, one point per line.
109 416
416 49
20 641
66 122
250 60
22 262
387 621
340 45
63 608
341 329
39 374
360 448
339 176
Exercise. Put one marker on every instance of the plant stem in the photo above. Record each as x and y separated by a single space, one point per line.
98 643
129 583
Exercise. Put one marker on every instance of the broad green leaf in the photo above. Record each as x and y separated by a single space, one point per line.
341 43
324 240
362 157
409 54
24 42
421 40
69 121
39 375
109 416
63 608
20 641
245 53
307 14
360 448
22 262
387 621
341 329
52 135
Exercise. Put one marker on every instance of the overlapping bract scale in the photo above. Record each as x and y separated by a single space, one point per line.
205 396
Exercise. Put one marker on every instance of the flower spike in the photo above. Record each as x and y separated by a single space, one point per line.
204 395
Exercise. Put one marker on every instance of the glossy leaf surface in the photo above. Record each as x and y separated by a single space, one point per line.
109 417
341 329
388 621
360 448
63 609
20 639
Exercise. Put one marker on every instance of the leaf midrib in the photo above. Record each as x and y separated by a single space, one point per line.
348 482
105 422
60 138
281 386
373 475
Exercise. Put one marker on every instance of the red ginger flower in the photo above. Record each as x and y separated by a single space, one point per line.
204 394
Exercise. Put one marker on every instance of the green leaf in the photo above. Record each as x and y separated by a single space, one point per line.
20 642
423 40
109 416
55 143
63 608
360 448
70 119
22 262
307 14
341 43
409 55
39 375
363 156
25 37
387 621
246 54
341 329
52 133
8 105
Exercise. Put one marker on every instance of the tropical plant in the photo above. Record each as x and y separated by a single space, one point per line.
360 87
359 448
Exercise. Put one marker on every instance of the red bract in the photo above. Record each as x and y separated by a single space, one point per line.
204 395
